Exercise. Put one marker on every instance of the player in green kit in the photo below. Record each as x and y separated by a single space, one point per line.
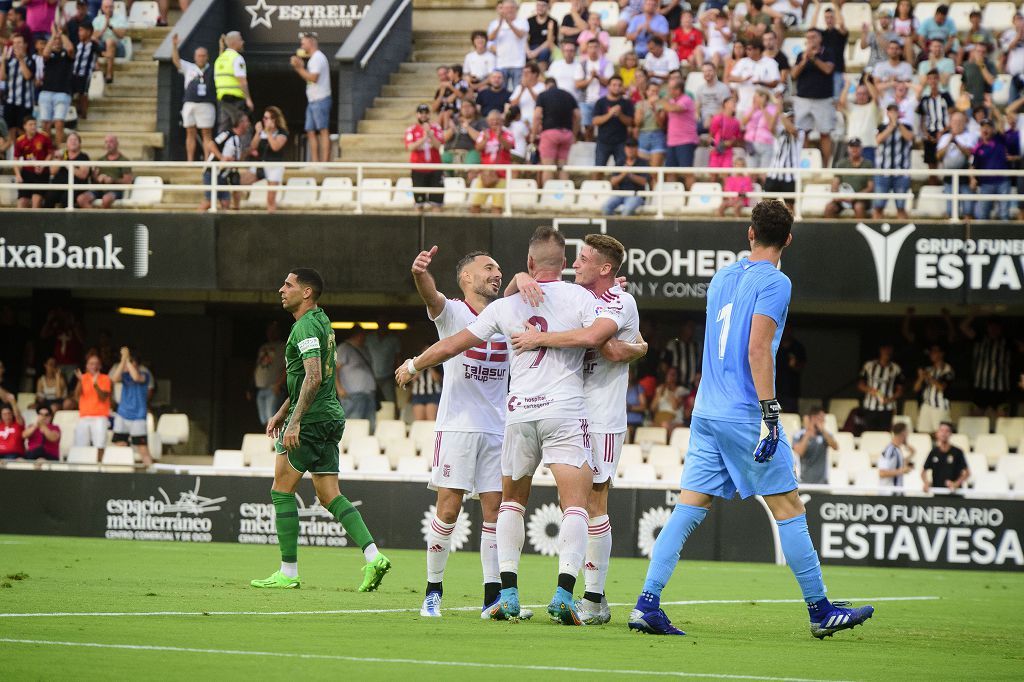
308 428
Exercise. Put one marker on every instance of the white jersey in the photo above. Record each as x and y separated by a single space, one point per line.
546 383
475 382
605 382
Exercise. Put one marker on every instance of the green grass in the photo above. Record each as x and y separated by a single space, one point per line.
975 631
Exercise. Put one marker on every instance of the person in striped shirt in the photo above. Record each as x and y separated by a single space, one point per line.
892 465
426 394
932 382
893 144
992 356
881 382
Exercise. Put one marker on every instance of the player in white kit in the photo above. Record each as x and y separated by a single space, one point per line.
605 379
470 421
545 419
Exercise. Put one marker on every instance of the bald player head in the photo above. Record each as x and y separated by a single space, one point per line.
547 252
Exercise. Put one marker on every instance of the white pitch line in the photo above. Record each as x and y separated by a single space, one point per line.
403 661
348 612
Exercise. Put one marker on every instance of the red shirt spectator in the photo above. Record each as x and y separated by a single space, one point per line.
12 444
43 437
38 147
420 149
494 152
685 42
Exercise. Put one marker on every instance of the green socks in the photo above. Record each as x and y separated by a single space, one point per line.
350 518
287 513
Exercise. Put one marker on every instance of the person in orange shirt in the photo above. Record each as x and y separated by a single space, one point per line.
93 394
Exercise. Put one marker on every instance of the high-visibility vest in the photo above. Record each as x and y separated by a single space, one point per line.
224 75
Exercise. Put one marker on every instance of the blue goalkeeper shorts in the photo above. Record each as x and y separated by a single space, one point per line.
720 461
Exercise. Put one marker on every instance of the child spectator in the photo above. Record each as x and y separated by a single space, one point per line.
739 182
725 134
688 42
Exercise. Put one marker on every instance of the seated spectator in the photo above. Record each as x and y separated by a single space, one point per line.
649 119
111 30
628 181
785 157
645 26
495 146
543 35
93 392
42 439
945 465
446 97
113 175
862 116
740 183
937 61
556 123
460 138
575 22
520 130
811 444
738 52
892 465
726 134
564 70
627 10
934 110
848 183
268 141
592 75
759 129
979 75
953 152
628 66
976 35
813 104
494 97
424 140
893 144
714 24
55 96
32 146
199 107
526 93
668 401
688 42
1011 44
938 28
12 428
51 385
990 154
509 37
931 385
681 134
660 62
226 146
905 24
613 117
479 62
711 95
594 32
87 51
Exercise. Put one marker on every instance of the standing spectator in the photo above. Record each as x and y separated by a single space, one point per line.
892 71
16 70
759 129
1011 44
268 377
771 50
55 96
494 97
424 140
113 175
752 72
613 116
790 360
526 93
354 380
892 466
645 26
715 25
738 183
509 36
426 393
814 88
78 19
592 74
199 106
905 24
92 393
226 147
811 444
861 184
649 120
636 404
938 27
594 32
556 122
50 386
976 35
12 428
87 51
564 70
39 15
311 65
931 384
684 354
628 181
936 61
862 116
42 439
990 154
384 349
136 390
6 395
711 95
575 22
946 462
268 144
232 81
520 130
543 36
495 146
668 401
19 25
953 152
893 143
5 136
934 110
68 339
725 134
660 62
979 75
754 24
111 30
881 382
876 40
681 136
992 359
785 157
32 146
833 38
479 63
688 42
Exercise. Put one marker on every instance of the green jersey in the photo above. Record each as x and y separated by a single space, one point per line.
312 337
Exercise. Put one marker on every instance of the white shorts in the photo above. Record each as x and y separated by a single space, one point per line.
929 418
548 441
198 115
466 461
607 449
91 431
132 427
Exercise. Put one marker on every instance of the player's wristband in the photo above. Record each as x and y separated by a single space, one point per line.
770 411
410 367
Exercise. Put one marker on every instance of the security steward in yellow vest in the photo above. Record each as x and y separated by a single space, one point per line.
232 84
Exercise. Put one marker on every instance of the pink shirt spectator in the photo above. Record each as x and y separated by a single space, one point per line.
739 183
51 448
39 15
588 35
724 131
682 125
757 130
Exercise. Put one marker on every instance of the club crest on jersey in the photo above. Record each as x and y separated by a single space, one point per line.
489 351
513 403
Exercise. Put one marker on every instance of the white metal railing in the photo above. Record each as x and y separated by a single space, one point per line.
656 195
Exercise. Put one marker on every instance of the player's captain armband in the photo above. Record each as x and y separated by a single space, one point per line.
306 345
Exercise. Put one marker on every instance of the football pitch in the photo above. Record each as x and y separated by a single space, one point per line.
99 609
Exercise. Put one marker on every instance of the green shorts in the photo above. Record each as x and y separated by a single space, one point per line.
318 447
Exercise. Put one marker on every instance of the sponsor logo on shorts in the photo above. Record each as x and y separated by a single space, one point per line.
446 470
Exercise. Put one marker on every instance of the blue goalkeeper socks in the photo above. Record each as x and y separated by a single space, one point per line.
801 557
685 518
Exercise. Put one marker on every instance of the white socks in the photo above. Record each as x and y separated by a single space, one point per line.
511 532
599 552
439 546
572 540
370 553
489 552
290 568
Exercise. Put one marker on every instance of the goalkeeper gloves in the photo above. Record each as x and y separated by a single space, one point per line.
770 411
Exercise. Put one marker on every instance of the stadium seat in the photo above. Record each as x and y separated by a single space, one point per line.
988 483
609 12
917 160
844 439
262 460
346 464
855 15
526 10
910 409
336 193
455 191
831 424
386 411
375 192
1001 90
301 193
363 446
992 446
24 400
118 456
559 10
703 198
97 85
655 435
680 439
664 458
814 205
559 194
373 464
791 47
873 443
147 190
227 459
617 46
924 10
121 9
640 473
853 462
694 82
254 444
81 454
998 16
173 429
1012 429
1018 484
403 195
960 14
257 196
866 478
66 420
631 454
856 56
354 428
582 154
29 416
673 199
841 408
838 477
791 422
389 430
954 85
922 444
903 419
821 15
931 202
593 195
961 441
1011 466
413 465
972 427
399 448
524 193
8 192
144 14
421 432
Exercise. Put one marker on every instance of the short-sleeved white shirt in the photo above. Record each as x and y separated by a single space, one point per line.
584 67
321 89
605 382
510 51
478 65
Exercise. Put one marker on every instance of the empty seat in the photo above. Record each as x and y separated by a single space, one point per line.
997 16
336 193
455 191
866 478
810 159
421 432
672 196
790 423
856 56
262 460
617 46
680 439
346 464
903 419
814 197
954 85
631 454
704 198
922 444
147 190
526 10
855 15
118 455
1001 90
841 408
656 435
144 14
991 482
1012 428
403 196
354 428
792 47
363 446
609 12
1011 466
300 193
413 465
227 459
582 154
81 454
373 464
992 446
844 439
559 10
924 10
831 423
977 464
254 444
961 441
386 411
664 458
375 192
853 462
931 202
559 194
25 400
593 195
873 443
399 448
173 428
972 427
641 473
694 83
523 193
97 85
389 430
837 476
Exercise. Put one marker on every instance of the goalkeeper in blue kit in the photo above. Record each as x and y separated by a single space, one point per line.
747 304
